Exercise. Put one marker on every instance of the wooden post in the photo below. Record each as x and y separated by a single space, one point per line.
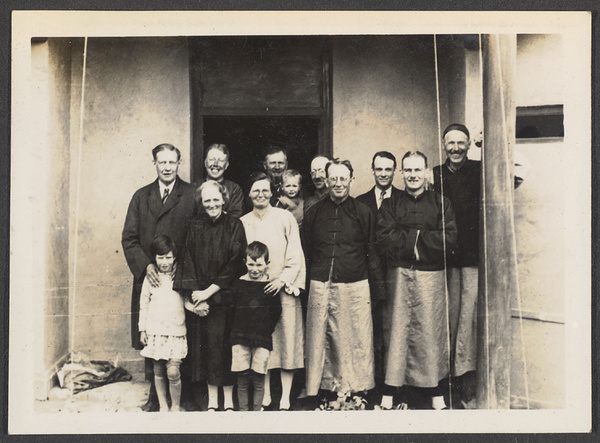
497 270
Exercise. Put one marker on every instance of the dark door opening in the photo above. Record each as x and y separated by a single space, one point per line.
247 137
250 92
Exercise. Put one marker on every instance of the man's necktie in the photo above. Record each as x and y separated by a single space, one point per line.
381 197
165 195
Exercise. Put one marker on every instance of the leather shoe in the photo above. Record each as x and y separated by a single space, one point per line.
150 406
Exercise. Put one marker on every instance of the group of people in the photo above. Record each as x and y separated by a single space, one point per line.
370 294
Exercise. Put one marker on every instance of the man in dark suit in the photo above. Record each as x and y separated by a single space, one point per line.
162 207
384 166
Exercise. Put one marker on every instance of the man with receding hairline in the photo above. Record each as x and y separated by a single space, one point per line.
339 234
317 174
162 207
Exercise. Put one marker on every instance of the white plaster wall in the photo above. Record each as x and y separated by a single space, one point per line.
136 97
384 98
540 70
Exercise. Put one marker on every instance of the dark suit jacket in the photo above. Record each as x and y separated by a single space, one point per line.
368 198
146 218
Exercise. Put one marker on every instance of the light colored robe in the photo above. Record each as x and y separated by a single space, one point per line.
278 230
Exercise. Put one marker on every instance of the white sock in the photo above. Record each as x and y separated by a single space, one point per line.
228 397
287 377
387 402
213 396
267 396
438 402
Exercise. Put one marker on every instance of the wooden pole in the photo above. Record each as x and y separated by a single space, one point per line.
497 271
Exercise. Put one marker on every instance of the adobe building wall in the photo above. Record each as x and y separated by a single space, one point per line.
136 96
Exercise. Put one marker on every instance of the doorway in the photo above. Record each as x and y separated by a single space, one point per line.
251 92
247 138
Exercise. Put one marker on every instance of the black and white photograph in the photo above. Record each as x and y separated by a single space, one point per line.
300 222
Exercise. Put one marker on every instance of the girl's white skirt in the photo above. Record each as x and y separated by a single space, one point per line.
165 347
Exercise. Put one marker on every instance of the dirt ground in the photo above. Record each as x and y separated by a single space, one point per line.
114 397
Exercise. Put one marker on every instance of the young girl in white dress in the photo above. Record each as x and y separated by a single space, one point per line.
162 324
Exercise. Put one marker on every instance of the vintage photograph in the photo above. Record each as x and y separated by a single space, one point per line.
300 222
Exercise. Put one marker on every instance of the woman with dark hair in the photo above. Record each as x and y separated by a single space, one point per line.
212 259
278 229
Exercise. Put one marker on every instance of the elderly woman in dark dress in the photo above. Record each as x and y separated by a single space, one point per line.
212 258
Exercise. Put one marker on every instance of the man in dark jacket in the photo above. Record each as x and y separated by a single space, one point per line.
162 207
459 179
384 167
416 231
216 162
340 247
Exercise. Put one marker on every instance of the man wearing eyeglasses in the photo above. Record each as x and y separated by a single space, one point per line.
162 207
339 232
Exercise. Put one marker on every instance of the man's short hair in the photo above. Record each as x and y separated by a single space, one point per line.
165 147
208 184
274 149
162 245
456 127
219 147
414 154
291 173
256 250
339 161
384 154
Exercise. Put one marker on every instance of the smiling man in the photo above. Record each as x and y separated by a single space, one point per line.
414 232
340 247
384 168
275 164
162 207
317 175
459 178
216 163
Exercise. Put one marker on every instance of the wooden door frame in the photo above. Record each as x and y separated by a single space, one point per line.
198 112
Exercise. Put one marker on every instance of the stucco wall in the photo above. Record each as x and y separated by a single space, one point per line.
539 57
384 98
51 66
136 96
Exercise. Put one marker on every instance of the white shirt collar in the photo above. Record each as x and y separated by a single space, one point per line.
388 194
162 187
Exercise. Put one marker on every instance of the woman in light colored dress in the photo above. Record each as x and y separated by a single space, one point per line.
278 229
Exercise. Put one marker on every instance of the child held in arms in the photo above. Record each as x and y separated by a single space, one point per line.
162 324
291 200
256 315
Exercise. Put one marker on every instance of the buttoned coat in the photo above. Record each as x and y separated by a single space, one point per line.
146 218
